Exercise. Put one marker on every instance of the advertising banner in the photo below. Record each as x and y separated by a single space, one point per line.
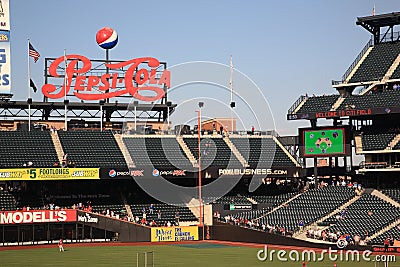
4 15
174 234
5 66
49 174
37 216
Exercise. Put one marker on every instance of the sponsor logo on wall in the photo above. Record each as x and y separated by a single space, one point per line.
37 216
87 218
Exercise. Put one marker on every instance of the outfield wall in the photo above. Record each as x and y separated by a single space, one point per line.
127 231
227 232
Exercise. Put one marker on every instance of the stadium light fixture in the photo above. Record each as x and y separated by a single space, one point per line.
201 104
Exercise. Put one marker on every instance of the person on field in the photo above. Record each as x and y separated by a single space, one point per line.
60 245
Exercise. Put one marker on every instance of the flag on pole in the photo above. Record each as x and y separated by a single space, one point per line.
32 84
33 53
373 10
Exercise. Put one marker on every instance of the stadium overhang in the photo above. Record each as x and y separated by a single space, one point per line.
373 24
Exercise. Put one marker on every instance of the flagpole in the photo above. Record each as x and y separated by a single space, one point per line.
65 90
29 90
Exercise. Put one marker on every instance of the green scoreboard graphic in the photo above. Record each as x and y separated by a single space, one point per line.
324 142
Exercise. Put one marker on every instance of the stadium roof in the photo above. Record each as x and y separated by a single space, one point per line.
374 23
383 20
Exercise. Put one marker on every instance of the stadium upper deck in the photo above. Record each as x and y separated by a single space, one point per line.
376 70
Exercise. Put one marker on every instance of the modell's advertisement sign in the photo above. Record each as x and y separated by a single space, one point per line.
143 83
37 216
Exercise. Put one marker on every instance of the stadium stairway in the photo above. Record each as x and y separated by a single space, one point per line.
385 198
347 79
393 224
58 146
303 101
129 211
296 163
392 68
393 143
369 88
252 201
235 151
124 150
384 230
337 104
187 151
358 142
194 207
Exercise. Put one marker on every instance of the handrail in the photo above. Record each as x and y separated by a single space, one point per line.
358 58
295 105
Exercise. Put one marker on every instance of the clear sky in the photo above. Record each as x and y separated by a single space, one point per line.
286 47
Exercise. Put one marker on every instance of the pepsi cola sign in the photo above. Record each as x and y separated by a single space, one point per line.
89 87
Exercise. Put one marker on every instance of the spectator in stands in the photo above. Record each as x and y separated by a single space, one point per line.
144 216
342 214
151 208
177 217
56 164
159 214
301 225
386 244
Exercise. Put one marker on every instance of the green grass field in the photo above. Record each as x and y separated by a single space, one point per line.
193 255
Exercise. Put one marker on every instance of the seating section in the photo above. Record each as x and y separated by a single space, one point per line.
20 147
393 232
393 193
371 142
309 207
92 148
233 200
368 214
261 152
396 73
318 104
168 213
384 99
377 63
274 200
159 152
113 210
7 201
214 152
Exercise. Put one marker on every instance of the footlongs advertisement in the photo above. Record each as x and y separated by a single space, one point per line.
173 234
49 174
37 216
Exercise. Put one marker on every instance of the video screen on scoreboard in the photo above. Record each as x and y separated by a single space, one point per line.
323 142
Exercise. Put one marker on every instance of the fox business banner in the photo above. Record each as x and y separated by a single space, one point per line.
173 234
49 174
37 216
258 171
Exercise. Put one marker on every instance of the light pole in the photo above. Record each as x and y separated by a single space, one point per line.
101 103
135 104
201 104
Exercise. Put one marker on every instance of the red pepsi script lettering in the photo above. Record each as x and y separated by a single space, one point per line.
106 85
